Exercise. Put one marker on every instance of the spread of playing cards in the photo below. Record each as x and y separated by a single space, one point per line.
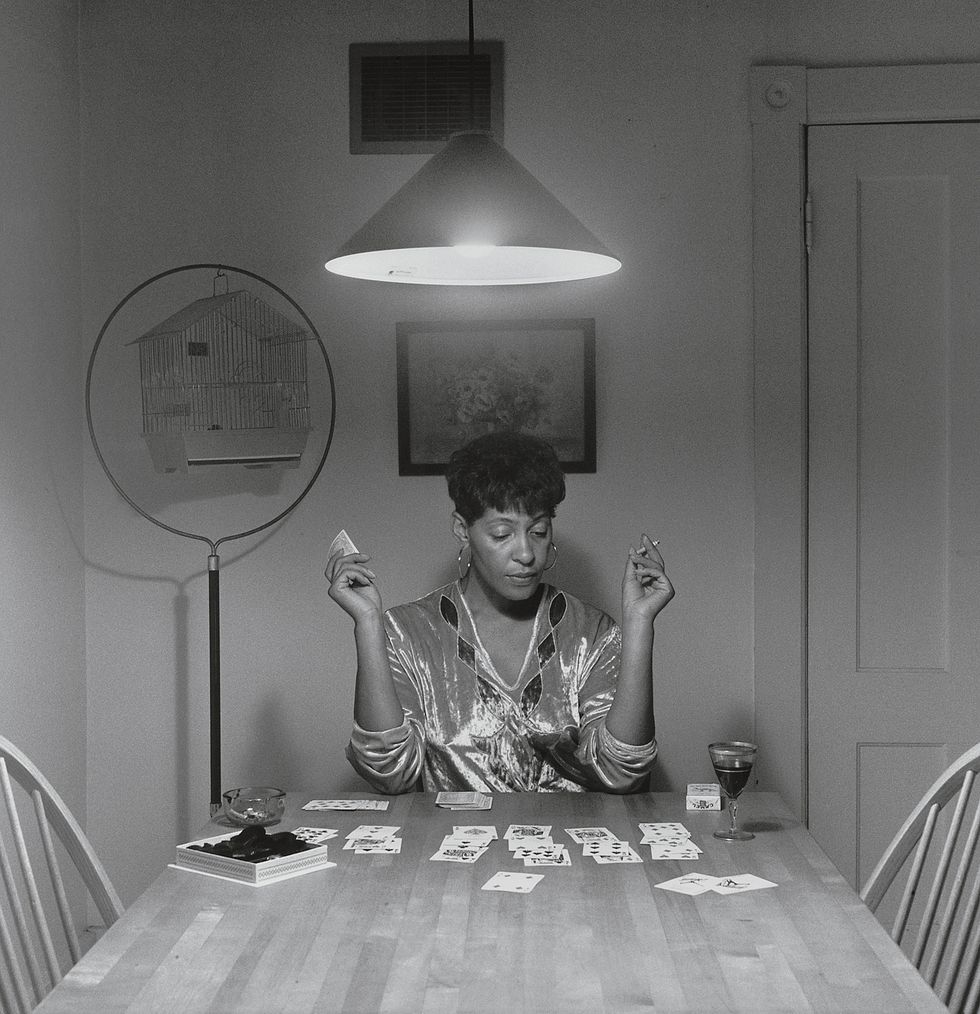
535 846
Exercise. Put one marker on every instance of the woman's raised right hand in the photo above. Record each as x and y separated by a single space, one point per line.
352 585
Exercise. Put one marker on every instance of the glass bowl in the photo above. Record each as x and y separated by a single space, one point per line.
255 805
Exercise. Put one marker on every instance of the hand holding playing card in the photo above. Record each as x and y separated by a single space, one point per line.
352 584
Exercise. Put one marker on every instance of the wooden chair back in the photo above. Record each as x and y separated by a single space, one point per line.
936 853
38 936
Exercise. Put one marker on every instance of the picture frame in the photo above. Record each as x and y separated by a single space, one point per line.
459 379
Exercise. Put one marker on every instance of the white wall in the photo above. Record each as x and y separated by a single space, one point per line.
217 131
42 634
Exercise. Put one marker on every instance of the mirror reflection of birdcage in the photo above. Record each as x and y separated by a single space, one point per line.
224 381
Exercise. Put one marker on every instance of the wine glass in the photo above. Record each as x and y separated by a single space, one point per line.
733 765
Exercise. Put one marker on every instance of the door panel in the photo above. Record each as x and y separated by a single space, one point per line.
894 510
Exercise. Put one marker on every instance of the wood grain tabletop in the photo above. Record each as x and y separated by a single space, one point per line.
403 933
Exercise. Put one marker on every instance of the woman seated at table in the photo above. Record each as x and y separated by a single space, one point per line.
499 681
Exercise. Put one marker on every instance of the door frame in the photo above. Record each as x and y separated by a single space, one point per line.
783 102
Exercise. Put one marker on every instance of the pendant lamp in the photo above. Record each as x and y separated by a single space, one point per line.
473 215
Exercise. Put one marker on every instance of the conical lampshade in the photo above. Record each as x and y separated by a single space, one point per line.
473 215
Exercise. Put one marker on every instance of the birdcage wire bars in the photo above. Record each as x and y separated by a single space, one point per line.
224 381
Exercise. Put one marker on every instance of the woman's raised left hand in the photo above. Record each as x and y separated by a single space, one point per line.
646 587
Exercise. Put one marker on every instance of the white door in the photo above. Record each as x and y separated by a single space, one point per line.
894 474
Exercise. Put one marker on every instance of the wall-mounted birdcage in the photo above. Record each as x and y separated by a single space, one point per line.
224 382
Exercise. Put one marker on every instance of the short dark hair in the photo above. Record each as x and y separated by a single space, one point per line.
505 469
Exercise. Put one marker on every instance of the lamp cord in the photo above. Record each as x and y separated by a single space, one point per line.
472 69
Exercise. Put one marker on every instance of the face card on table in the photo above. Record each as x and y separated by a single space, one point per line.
360 844
457 855
527 831
581 835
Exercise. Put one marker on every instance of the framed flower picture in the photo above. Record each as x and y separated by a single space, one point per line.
460 379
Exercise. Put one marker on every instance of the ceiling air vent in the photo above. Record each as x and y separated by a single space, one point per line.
409 97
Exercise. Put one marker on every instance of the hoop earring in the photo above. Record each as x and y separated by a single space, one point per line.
459 563
554 546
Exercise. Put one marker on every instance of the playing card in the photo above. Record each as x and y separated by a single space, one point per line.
342 541
557 856
359 844
456 842
658 851
374 838
666 839
374 831
386 846
315 835
741 883
561 860
346 804
692 884
530 841
604 846
457 855
487 831
585 834
662 830
546 849
518 883
527 831
618 857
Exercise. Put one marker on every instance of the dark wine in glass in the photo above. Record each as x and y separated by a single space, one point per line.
733 778
733 764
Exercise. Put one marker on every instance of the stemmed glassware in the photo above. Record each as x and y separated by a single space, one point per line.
733 764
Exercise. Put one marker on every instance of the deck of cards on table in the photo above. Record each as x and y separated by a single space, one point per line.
464 800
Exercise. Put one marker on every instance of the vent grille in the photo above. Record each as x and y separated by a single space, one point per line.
409 97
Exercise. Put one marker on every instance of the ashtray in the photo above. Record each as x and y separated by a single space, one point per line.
255 805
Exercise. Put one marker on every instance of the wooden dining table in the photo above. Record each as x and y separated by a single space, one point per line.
404 933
